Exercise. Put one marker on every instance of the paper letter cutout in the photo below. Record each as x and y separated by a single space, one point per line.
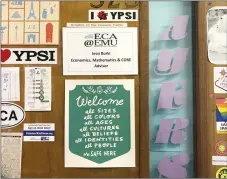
171 65
173 168
177 31
169 95
166 128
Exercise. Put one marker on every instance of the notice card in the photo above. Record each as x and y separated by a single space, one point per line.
10 84
37 89
99 123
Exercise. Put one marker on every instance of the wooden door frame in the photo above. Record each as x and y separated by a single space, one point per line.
144 89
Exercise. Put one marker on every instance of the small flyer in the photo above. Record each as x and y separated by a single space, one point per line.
11 152
221 115
10 84
37 89
39 132
99 123
220 79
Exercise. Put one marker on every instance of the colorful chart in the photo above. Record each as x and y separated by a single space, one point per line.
30 22
221 115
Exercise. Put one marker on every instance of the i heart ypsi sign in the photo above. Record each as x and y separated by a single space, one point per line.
29 56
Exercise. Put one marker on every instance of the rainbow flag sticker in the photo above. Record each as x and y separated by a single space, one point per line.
221 115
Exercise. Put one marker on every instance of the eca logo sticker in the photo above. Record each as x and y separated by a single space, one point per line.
221 173
11 115
221 148
113 15
29 56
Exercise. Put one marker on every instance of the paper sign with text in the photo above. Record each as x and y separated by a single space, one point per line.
109 51
99 123
39 132
91 25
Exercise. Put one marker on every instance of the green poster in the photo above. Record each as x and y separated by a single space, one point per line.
99 121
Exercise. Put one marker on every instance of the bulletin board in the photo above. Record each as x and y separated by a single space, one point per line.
46 159
211 96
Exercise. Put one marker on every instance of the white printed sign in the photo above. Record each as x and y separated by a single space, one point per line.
91 51
10 84
91 25
37 89
219 160
113 15
39 132
220 79
29 56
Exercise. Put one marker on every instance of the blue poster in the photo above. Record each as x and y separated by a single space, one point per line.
171 90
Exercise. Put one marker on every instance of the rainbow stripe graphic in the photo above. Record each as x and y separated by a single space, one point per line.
221 115
221 110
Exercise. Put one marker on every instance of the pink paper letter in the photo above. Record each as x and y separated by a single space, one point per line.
166 128
170 96
174 168
171 65
177 31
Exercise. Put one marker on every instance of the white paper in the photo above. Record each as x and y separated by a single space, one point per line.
220 79
95 51
125 160
11 151
39 132
91 25
10 84
217 34
219 160
37 89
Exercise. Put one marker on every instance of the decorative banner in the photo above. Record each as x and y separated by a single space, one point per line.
39 132
30 22
221 115
89 51
113 15
217 34
29 56
171 90
220 79
37 89
10 83
11 153
221 173
99 123
11 115
221 148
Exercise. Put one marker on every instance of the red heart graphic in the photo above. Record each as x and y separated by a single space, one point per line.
5 54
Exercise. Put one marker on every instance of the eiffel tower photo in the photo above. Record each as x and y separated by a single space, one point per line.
32 12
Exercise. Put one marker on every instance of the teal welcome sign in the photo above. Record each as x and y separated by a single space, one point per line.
98 121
